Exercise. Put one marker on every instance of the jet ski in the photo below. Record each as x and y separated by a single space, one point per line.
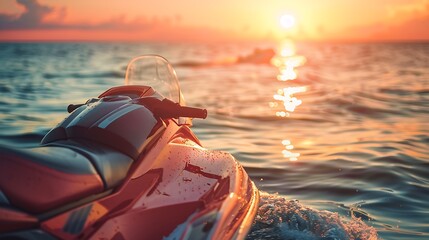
126 165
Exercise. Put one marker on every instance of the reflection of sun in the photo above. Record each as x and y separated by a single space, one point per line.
287 21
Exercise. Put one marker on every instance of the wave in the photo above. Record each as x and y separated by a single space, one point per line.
279 218
192 64
258 56
106 74
22 140
271 118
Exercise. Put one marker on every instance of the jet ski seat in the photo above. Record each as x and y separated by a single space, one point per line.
112 165
43 178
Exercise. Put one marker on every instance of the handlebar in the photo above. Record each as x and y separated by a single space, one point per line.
168 109
162 108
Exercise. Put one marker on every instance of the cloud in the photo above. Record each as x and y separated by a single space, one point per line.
31 18
38 16
41 22
405 23
414 29
408 11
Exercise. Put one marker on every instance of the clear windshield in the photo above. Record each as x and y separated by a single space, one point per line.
156 72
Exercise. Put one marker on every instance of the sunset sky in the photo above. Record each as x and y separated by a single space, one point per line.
221 20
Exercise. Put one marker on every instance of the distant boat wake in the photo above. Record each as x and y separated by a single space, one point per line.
279 218
258 56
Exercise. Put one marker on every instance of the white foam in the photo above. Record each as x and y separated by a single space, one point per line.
279 218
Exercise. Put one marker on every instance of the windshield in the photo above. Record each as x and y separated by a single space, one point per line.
156 72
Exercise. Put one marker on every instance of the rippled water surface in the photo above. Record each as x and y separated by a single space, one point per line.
341 128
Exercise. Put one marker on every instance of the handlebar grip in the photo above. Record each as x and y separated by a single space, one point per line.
72 107
193 112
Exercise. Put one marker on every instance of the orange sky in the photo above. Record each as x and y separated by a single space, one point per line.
221 20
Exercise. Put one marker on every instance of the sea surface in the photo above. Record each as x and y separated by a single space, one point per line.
335 136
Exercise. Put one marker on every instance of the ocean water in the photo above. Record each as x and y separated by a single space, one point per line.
335 136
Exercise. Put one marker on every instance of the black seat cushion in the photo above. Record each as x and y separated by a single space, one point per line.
42 178
111 164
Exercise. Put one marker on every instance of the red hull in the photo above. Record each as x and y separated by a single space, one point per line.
172 187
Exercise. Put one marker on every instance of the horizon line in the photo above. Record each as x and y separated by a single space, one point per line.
339 41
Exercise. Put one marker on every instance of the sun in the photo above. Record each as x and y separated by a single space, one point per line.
287 21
